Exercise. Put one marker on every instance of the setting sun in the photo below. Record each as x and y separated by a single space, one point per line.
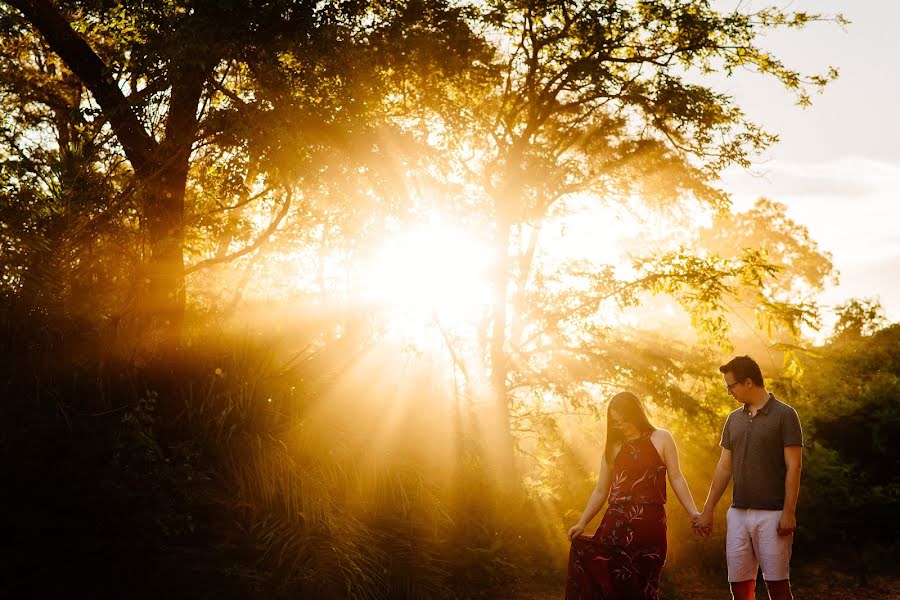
431 273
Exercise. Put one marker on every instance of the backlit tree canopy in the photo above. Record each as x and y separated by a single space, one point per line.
154 140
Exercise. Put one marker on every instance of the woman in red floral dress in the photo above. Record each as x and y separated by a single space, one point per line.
624 558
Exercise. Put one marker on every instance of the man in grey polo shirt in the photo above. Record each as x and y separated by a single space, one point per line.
762 447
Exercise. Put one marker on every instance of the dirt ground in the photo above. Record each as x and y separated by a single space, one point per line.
810 585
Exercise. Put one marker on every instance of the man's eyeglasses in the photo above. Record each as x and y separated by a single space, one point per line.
729 386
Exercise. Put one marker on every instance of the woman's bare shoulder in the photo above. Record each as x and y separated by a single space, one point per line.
662 436
663 441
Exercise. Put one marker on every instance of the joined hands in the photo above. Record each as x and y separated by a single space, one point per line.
702 523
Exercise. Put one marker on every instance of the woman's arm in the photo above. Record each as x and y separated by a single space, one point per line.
676 478
596 501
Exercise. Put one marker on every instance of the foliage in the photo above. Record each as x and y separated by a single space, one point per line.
220 141
69 231
803 268
255 491
266 114
850 389
607 103
220 109
857 318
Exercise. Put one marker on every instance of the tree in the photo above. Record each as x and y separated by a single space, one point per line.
68 234
161 167
857 318
253 92
848 392
803 269
518 107
602 100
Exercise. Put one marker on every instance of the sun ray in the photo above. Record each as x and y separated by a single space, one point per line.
427 275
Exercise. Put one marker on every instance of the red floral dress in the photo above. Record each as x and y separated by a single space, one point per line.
625 557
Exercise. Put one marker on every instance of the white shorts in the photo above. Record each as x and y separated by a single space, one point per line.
752 541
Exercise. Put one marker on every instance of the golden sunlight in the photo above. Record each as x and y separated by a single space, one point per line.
429 275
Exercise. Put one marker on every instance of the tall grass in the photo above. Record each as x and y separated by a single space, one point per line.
250 489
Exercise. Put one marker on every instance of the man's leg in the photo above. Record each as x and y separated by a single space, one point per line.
775 557
743 590
779 590
740 554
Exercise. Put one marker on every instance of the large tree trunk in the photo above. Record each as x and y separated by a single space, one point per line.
162 304
507 208
161 168
503 450
164 213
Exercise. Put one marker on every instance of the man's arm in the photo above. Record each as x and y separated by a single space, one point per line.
793 460
719 483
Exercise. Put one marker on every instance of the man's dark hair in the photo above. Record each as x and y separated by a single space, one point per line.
743 368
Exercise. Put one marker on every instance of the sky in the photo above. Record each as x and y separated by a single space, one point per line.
837 164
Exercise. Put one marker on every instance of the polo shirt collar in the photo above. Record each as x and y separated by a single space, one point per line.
764 409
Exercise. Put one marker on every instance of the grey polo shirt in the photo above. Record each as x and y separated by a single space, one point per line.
757 452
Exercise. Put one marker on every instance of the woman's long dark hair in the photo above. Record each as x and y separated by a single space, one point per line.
632 410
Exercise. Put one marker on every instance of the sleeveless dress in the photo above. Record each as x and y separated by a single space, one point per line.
625 557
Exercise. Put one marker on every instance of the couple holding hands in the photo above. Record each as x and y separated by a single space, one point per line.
761 445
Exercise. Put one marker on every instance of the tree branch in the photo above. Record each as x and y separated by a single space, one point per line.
139 146
262 239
